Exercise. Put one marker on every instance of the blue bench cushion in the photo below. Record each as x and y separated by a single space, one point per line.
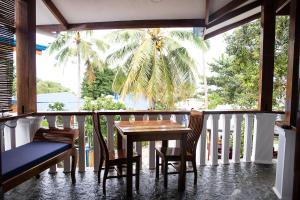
22 158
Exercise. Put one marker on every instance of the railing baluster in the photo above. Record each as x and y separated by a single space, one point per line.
202 143
152 146
2 126
35 124
225 138
262 151
214 140
12 131
51 121
237 120
110 132
81 143
248 137
67 162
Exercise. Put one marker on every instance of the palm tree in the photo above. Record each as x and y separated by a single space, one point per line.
71 45
155 63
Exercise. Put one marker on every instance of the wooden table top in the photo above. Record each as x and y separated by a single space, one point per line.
150 126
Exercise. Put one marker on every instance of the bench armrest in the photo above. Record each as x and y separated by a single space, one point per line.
65 135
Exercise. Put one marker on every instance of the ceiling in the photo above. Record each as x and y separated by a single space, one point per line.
59 15
87 11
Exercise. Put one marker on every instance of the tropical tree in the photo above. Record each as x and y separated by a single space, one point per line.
69 46
97 82
155 63
236 73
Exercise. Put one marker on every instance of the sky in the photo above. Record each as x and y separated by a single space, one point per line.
67 75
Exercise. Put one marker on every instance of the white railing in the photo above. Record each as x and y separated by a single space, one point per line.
222 130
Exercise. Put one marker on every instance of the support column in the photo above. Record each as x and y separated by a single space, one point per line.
25 55
268 19
292 108
283 186
292 94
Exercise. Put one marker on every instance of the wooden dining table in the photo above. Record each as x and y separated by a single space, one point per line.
158 130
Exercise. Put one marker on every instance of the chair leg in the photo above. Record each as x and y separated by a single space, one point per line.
165 166
100 168
37 176
104 178
120 172
157 167
74 163
195 171
137 175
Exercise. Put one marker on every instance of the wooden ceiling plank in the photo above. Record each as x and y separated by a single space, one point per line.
225 9
56 13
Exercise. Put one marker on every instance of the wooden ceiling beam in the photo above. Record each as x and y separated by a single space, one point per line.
207 6
231 26
125 24
225 9
57 14
235 13
281 4
283 7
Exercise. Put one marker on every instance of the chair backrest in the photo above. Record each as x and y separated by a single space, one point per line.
196 124
97 129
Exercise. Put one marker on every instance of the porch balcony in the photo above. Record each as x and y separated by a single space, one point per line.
234 157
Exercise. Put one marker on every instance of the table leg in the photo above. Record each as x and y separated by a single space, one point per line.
182 174
119 141
129 166
164 143
119 147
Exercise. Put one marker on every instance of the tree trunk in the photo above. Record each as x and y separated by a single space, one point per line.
78 77
204 80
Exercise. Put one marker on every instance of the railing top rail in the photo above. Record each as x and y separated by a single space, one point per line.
113 112
133 112
14 117
141 112
240 112
66 113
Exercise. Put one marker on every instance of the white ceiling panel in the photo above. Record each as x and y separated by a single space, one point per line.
84 11
43 15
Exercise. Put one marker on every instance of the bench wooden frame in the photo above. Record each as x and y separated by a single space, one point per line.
63 135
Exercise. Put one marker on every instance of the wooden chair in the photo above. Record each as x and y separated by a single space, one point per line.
173 154
114 158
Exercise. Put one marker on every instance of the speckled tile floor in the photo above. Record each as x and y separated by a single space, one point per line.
234 181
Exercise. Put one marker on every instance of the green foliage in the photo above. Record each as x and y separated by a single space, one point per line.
101 103
56 106
154 63
100 86
50 87
79 46
236 73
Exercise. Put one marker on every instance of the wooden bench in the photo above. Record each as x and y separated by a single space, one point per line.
49 147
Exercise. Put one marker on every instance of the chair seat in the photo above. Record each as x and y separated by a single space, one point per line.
22 158
121 155
171 153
